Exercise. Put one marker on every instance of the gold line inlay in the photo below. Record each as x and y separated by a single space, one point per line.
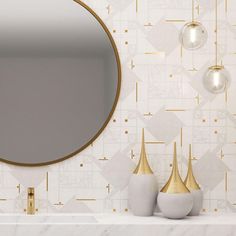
132 154
154 142
47 181
58 204
136 95
148 114
175 110
226 182
153 53
108 188
86 199
103 159
175 20
19 188
148 24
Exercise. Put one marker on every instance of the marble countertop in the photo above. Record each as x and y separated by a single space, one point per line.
116 219
203 219
116 225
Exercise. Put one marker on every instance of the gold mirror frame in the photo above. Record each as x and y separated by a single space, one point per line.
113 107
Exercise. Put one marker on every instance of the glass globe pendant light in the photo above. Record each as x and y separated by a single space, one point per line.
216 79
193 35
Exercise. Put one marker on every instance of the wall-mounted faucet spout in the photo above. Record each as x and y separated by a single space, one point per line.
31 201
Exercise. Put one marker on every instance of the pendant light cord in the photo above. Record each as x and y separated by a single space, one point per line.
216 33
193 11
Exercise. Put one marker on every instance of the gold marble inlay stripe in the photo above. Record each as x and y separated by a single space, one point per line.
175 110
58 204
226 182
175 20
103 159
132 154
47 181
154 142
148 114
18 186
154 53
86 199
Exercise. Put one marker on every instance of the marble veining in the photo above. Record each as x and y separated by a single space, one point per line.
116 224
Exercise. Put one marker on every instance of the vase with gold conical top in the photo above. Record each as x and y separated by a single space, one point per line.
194 188
143 187
175 200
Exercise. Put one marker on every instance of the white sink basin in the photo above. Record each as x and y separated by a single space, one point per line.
46 219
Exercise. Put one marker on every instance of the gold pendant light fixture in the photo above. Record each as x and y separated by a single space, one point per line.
216 79
193 35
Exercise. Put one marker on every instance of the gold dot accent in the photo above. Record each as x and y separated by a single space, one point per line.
215 120
126 209
114 31
171 76
126 132
81 165
126 42
126 120
203 120
170 165
216 132
204 210
114 120
114 210
215 209
126 31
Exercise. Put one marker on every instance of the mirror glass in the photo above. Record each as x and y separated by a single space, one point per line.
59 80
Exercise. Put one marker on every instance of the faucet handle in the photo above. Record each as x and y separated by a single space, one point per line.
30 191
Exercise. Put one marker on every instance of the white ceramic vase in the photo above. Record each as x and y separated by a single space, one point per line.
143 190
175 205
194 188
175 200
143 187
197 202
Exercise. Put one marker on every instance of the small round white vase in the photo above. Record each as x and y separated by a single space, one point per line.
175 205
197 202
143 190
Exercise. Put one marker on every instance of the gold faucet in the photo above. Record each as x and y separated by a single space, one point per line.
31 202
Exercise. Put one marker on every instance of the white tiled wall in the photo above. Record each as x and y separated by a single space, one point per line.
161 91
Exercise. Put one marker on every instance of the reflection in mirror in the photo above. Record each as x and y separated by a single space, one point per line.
59 80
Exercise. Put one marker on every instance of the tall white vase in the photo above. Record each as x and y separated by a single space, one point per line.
175 200
194 188
143 187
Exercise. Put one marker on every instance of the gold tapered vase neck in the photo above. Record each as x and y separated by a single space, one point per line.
175 184
190 180
143 167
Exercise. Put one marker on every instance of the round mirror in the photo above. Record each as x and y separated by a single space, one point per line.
60 79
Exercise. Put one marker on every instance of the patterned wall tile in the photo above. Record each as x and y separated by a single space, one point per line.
161 91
